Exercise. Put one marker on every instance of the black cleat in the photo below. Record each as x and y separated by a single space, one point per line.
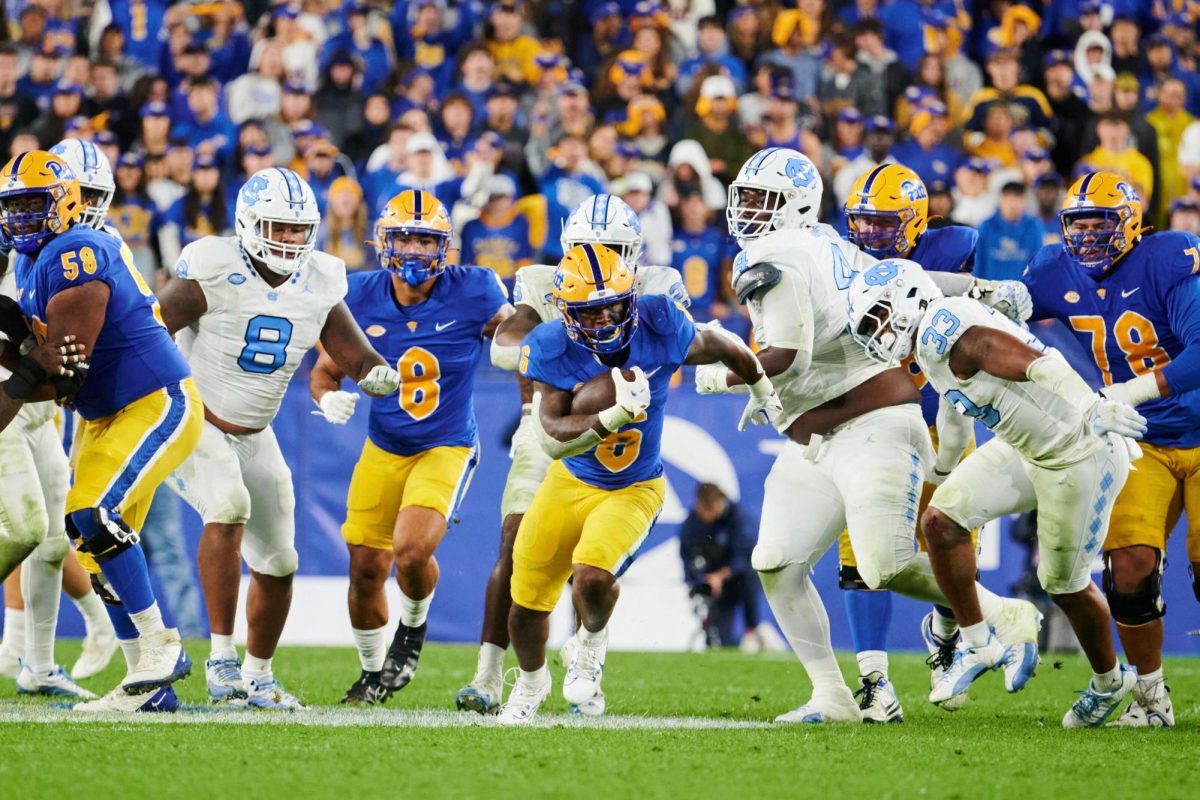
366 691
401 663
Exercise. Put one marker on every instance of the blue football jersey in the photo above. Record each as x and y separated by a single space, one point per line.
133 355
659 345
697 257
435 346
948 249
1138 318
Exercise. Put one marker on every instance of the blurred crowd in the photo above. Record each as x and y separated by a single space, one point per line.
514 111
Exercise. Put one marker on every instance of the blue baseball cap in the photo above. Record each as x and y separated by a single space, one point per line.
1050 178
980 165
130 159
880 123
155 109
851 115
603 11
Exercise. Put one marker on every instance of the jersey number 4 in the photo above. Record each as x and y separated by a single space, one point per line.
1135 336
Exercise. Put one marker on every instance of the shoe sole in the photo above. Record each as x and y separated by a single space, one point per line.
472 700
183 668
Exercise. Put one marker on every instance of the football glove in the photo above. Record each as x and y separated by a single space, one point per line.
382 380
1010 298
712 379
337 407
1109 416
763 407
634 395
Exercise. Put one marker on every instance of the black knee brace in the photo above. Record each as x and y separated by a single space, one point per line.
849 579
112 536
101 587
1142 606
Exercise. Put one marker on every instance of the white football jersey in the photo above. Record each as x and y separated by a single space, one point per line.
246 346
806 312
1039 424
534 287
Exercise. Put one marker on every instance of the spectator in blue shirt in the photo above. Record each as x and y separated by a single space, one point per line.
38 84
423 37
926 152
566 182
608 37
499 239
141 21
1047 194
375 56
714 49
1008 240
208 130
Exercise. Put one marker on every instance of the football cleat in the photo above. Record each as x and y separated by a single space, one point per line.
1092 707
401 663
98 649
54 683
941 656
1018 632
117 701
836 706
162 661
877 699
584 670
482 695
366 691
592 707
523 702
968 664
1151 708
267 693
10 662
224 679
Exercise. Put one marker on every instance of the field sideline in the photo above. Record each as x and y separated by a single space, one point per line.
680 725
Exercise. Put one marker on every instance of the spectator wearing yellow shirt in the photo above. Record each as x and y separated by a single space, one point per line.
1169 119
514 52
1116 153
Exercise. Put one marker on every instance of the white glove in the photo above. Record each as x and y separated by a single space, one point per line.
936 478
712 379
1010 298
763 407
634 395
337 407
382 380
1109 416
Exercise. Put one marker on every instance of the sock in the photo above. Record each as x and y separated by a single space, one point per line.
976 635
1144 681
801 615
223 646
372 647
254 665
126 571
41 586
536 678
121 622
91 608
132 650
592 637
945 626
869 615
991 604
1105 682
148 621
491 662
872 661
14 631
414 612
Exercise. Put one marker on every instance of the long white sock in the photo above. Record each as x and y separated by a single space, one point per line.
592 637
538 677
1150 678
414 612
991 604
132 650
91 608
14 631
372 647
1107 681
801 614
872 661
490 666
41 586
223 646
148 621
254 666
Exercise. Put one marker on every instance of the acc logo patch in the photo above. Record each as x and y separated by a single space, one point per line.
1071 296
913 191
375 331
237 278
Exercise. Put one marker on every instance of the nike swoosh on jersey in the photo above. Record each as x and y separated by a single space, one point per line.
441 326
1125 294
651 372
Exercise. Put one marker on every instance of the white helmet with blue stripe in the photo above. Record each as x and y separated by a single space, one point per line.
605 219
777 189
277 219
95 175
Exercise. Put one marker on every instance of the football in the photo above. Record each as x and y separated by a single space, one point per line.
597 394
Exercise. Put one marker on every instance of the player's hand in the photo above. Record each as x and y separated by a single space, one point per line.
763 407
712 379
382 380
337 407
1010 298
57 359
633 396
1109 416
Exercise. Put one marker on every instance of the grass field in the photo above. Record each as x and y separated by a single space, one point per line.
679 726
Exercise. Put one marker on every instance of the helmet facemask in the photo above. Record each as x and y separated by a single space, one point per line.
603 339
282 258
753 211
883 236
25 219
1096 250
396 254
887 335
96 201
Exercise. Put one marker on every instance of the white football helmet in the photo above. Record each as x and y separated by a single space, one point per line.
608 220
269 198
777 189
95 175
886 304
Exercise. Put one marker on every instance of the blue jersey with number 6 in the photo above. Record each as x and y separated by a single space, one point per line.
133 355
1141 316
435 346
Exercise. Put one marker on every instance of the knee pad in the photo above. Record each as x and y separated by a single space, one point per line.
104 589
767 557
53 550
1142 606
232 508
100 533
278 565
850 579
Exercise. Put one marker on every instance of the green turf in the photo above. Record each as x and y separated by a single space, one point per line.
1000 745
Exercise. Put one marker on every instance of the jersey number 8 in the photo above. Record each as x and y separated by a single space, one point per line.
266 344
420 392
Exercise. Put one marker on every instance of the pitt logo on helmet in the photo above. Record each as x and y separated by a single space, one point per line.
1101 220
596 293
39 199
408 217
887 211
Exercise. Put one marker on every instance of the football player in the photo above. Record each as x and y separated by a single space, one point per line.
601 496
858 449
601 219
141 411
1058 447
1133 302
247 309
429 319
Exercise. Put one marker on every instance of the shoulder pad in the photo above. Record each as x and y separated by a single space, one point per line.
756 280
332 270
208 258
665 281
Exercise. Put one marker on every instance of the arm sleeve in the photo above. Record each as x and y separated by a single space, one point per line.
1183 312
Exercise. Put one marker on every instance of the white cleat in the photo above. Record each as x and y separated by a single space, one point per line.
836 706
594 706
53 683
162 661
969 663
118 701
268 694
584 670
523 702
223 677
98 649
1093 708
1151 708
877 699
1018 632
482 695
941 656
10 661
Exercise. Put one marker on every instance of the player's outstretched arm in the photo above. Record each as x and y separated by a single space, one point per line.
713 345
508 334
504 312
182 302
347 347
1182 373
324 384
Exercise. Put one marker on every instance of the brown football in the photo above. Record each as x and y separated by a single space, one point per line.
597 394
